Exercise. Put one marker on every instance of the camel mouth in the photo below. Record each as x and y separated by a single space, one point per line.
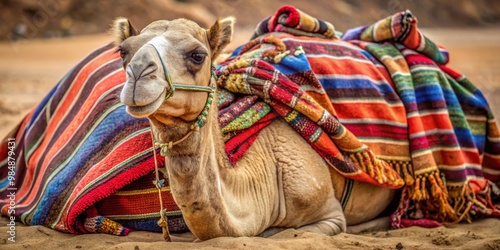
148 109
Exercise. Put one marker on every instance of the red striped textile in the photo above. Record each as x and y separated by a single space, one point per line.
76 153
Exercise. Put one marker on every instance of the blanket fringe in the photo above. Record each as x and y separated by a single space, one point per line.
467 203
378 169
405 170
441 202
429 187
429 190
437 201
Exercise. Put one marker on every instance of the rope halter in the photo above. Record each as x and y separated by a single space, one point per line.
166 147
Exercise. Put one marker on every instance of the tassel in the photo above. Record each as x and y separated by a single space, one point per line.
378 169
361 161
417 196
436 191
164 228
280 56
382 167
445 209
454 192
423 188
354 159
397 166
409 180
458 203
436 198
279 45
463 203
382 173
270 54
366 159
374 169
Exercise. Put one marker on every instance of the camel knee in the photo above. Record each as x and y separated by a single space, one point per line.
330 226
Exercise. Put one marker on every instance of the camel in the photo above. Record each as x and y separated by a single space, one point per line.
281 182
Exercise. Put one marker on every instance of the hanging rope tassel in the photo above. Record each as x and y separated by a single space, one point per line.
163 222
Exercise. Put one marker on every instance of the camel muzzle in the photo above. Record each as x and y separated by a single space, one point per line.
144 84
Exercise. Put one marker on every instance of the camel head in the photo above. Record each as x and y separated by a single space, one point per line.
164 55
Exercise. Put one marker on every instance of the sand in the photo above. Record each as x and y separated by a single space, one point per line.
29 69
483 234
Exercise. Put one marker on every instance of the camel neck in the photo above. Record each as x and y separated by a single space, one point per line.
202 150
207 188
194 169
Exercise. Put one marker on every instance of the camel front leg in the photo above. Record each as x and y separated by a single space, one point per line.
333 224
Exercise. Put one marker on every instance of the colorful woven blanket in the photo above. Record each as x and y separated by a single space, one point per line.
396 102
82 164
454 138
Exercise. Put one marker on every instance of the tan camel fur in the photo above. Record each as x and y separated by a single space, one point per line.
281 182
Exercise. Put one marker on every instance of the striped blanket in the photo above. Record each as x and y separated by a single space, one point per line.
388 85
376 106
82 164
454 138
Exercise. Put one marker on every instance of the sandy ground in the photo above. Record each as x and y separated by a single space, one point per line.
29 69
480 235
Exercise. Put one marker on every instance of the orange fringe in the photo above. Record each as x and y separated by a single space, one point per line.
404 169
450 204
430 188
376 168
464 197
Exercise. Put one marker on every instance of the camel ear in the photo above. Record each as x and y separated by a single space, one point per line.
122 29
220 35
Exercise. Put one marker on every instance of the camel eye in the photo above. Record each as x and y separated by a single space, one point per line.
198 58
122 52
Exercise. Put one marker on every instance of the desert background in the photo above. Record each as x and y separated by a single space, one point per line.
40 40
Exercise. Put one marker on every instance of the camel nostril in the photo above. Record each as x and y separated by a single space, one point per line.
150 69
130 72
153 77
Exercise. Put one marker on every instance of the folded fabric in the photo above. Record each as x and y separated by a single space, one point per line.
291 20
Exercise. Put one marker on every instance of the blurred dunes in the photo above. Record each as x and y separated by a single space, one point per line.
56 18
